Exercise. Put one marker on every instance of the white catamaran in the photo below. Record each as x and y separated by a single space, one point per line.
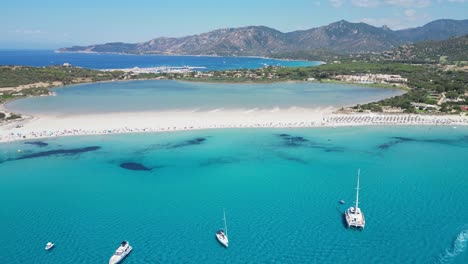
354 215
222 235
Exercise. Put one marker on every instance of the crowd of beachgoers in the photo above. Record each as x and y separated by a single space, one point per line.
23 130
405 119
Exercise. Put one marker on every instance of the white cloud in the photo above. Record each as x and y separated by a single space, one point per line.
336 3
408 19
26 31
365 3
410 13
397 3
374 3
409 3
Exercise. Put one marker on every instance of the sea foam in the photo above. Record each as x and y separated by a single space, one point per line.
459 246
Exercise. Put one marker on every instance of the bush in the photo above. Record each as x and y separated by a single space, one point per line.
13 116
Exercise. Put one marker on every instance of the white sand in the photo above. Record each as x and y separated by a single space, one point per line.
43 126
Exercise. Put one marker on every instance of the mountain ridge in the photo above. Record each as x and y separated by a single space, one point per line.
340 37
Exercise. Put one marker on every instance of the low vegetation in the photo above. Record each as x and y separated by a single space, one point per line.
310 55
14 76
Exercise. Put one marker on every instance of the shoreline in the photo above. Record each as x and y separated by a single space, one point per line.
185 55
48 126
325 81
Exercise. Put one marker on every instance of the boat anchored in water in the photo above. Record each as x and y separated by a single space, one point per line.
122 251
49 245
221 235
354 216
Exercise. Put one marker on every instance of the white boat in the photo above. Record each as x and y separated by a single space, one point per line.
354 216
222 235
49 245
122 251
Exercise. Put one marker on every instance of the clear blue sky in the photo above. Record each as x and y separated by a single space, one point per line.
53 24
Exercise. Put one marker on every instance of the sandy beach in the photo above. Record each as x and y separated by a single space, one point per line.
44 126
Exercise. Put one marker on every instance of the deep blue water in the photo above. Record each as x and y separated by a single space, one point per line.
119 61
165 193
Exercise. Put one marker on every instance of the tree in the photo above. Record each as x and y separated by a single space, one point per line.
13 116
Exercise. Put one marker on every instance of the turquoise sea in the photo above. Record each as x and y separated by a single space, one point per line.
165 193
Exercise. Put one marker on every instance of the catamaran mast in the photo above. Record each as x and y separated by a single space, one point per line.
357 189
225 226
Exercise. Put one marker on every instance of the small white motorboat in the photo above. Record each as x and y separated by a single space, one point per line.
49 245
122 251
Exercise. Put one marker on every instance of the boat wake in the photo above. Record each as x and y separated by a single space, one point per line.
459 246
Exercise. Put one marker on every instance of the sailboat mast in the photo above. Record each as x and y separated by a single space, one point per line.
357 189
225 225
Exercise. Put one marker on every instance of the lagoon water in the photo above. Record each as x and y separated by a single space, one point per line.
136 96
165 193
119 61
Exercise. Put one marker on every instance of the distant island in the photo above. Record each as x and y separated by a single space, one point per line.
341 37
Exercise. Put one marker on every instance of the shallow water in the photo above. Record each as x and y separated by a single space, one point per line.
137 96
280 188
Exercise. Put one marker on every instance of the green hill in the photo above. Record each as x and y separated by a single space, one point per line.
445 51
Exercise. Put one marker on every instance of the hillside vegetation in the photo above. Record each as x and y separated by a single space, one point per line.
445 51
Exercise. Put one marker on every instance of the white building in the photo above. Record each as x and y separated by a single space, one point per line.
373 78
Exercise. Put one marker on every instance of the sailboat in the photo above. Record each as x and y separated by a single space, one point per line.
354 216
222 235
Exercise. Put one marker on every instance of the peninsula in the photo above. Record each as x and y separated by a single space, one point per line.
436 93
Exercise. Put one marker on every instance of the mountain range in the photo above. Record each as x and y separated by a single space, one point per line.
341 37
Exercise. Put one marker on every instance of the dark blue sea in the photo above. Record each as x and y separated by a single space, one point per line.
120 61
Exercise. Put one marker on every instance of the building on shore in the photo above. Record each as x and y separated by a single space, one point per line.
423 106
373 78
